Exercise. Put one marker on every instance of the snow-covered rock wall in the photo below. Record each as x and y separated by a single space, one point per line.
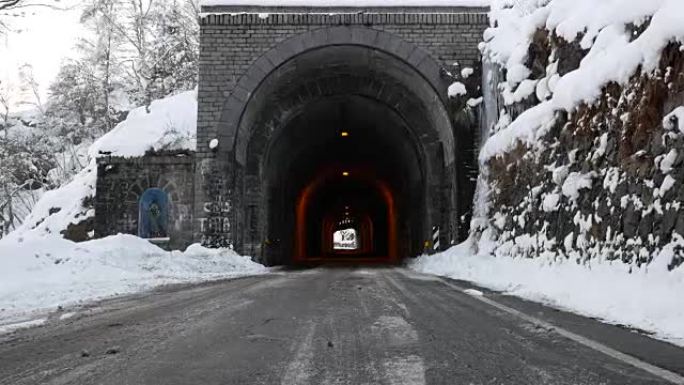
584 160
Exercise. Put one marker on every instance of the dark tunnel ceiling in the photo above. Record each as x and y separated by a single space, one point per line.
312 143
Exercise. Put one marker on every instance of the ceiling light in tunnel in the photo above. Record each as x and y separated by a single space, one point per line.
345 173
344 134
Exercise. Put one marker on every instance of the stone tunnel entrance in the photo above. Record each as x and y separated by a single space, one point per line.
324 133
336 140
347 138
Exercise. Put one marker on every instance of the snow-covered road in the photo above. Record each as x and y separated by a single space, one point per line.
637 297
332 326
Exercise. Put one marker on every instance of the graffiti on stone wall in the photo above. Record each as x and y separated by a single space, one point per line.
128 224
216 225
154 214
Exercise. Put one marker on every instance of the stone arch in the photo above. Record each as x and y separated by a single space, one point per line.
340 65
234 134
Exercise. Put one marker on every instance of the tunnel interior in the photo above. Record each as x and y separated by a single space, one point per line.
343 141
344 163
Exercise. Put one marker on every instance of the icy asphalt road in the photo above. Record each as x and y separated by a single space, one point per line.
326 326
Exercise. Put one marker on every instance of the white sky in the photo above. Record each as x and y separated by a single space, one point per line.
42 38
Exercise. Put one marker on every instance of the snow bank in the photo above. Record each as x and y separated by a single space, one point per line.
602 27
348 3
41 273
59 208
39 270
612 291
170 124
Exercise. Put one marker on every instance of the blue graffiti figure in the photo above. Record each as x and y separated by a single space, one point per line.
154 214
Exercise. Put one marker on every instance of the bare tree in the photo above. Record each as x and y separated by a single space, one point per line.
9 4
8 8
5 92
101 51
30 88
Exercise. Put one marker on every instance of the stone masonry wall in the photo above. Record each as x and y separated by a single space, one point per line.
121 182
231 44
606 181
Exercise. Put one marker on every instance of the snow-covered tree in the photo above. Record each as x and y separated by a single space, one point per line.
27 156
153 43
174 52
136 51
5 103
99 53
76 100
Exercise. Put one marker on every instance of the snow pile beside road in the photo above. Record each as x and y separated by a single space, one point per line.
41 273
59 208
645 298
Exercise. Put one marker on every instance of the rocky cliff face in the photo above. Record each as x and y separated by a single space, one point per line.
603 179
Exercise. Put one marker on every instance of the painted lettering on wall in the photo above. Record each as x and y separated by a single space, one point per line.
216 225
218 207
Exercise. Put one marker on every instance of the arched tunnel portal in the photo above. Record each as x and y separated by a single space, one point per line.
324 133
347 153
